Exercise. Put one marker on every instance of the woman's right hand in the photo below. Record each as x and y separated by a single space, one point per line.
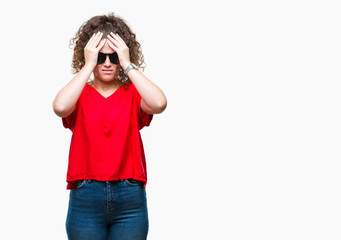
92 48
66 99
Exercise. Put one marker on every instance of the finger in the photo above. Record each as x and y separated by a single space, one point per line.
112 46
95 40
101 44
89 42
116 40
113 41
118 37
112 34
111 38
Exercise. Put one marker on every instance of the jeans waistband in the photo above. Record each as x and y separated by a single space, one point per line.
111 181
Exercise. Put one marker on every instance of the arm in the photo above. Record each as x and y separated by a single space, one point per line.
64 102
153 100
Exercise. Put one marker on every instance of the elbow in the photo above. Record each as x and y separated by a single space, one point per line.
57 109
161 106
60 110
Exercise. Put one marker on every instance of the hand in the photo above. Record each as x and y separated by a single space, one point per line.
92 48
119 46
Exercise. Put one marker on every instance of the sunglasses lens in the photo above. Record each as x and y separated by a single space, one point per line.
101 58
114 58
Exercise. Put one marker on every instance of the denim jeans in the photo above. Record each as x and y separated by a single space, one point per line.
107 210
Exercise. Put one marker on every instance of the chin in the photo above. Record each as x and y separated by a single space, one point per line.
106 78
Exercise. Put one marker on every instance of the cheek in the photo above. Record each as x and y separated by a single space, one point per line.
96 70
116 70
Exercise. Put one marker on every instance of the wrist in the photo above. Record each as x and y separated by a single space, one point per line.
130 67
89 66
124 65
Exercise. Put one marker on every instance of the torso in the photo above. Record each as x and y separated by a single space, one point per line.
105 94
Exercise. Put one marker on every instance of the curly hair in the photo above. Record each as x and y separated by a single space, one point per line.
106 24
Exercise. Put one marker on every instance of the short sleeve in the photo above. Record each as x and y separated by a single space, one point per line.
70 121
144 118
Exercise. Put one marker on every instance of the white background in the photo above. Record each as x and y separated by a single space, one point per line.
248 147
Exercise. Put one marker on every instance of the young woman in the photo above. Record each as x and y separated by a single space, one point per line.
107 168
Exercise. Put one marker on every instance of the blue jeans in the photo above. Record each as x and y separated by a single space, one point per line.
107 210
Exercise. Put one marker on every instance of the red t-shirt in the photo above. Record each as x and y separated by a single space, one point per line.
106 143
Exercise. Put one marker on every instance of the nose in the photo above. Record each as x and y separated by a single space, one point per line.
107 62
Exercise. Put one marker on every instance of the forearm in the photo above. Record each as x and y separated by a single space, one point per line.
154 101
150 93
64 102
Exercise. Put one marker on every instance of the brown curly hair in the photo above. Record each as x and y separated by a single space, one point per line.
106 24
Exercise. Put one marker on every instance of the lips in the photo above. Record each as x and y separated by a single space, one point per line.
107 70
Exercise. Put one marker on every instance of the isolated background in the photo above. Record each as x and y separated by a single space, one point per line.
248 147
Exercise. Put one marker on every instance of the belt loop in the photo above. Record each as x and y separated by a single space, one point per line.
89 181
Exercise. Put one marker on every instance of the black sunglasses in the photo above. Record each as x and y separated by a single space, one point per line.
112 56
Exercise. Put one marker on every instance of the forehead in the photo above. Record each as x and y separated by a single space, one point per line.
106 48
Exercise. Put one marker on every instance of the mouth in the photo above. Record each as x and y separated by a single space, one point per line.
107 70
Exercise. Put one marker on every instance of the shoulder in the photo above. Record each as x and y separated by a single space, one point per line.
132 87
129 88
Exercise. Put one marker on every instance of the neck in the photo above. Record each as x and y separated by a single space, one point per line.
104 86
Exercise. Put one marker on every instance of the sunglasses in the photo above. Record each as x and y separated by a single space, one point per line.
112 56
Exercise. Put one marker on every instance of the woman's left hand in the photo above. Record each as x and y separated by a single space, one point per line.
119 46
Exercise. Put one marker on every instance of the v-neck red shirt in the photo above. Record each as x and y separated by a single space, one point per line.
106 144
